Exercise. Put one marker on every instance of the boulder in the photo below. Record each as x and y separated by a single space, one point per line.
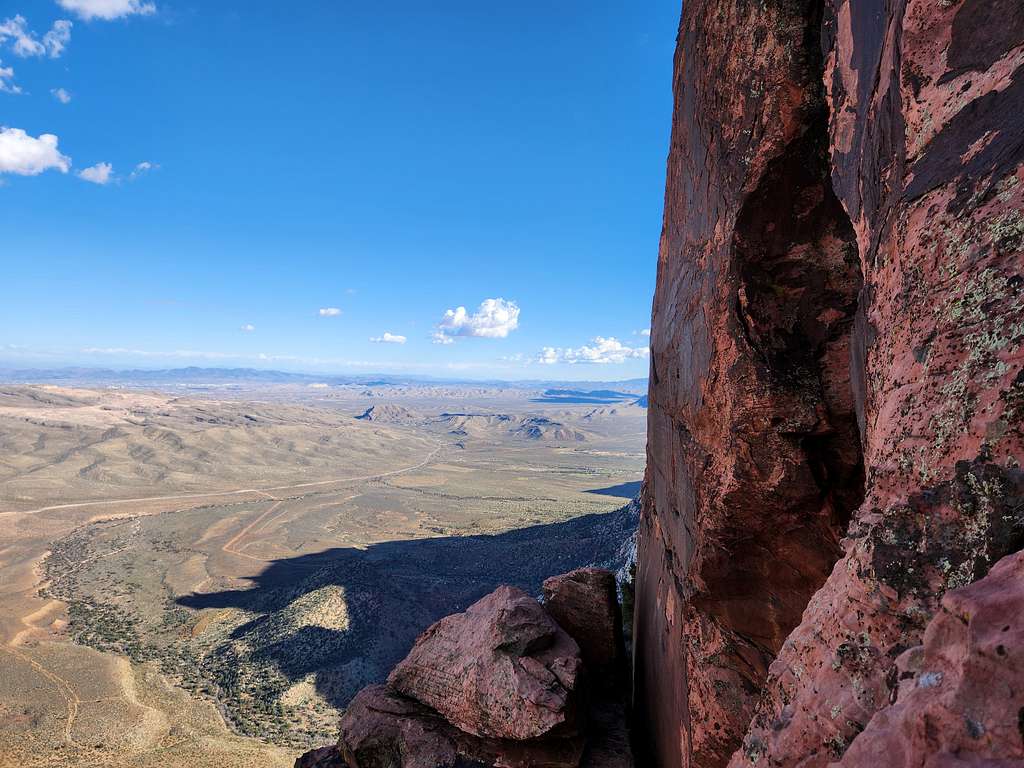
382 729
960 695
585 604
503 669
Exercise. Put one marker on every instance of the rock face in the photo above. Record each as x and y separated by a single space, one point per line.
961 694
585 604
836 376
382 729
498 685
503 669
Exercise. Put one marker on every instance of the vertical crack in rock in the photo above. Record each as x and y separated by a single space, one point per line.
925 101
796 255
755 462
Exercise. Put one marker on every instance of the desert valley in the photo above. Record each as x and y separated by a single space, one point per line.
512 385
205 574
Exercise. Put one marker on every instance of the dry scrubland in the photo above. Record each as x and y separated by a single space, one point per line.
206 579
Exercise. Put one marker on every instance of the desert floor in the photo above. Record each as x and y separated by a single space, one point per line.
204 578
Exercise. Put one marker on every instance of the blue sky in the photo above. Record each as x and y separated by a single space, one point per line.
223 171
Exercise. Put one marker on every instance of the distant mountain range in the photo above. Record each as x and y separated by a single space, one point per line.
196 376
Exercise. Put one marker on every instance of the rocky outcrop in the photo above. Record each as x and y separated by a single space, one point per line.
959 698
382 729
503 669
585 603
836 372
499 685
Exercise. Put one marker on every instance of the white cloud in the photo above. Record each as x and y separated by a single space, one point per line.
61 95
495 319
645 332
388 338
600 350
24 41
329 312
29 156
101 173
57 38
248 327
142 168
6 78
439 338
107 9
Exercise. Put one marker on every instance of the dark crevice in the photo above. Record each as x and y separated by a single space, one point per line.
799 274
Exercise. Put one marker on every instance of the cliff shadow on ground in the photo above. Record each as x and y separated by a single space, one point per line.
340 619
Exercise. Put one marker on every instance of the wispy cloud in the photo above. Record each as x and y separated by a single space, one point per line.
329 312
248 327
142 169
440 338
61 95
57 38
107 9
101 173
494 319
644 332
24 42
7 84
601 350
28 155
15 32
388 338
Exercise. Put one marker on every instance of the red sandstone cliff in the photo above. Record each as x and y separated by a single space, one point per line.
829 557
836 376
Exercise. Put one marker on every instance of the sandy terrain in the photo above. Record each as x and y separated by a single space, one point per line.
206 579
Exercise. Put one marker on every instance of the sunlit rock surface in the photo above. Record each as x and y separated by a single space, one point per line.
836 385
500 685
503 669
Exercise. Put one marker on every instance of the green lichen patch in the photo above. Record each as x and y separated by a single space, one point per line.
949 536
990 306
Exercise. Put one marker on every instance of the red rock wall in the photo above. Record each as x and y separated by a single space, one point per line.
836 350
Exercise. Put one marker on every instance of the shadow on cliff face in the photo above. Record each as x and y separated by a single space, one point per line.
346 615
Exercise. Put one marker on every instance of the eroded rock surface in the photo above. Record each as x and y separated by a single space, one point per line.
960 696
927 150
503 669
382 729
499 686
585 604
754 462
836 352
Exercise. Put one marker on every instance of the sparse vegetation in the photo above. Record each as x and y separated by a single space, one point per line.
275 609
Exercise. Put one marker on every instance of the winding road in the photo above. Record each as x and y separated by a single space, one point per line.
64 687
217 494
